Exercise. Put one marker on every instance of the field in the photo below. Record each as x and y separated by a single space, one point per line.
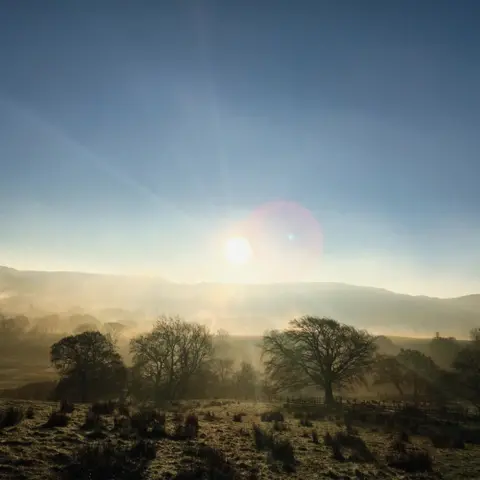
143 444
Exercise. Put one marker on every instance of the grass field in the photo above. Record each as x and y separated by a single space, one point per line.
225 446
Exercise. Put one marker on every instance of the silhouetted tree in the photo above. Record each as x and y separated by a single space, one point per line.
467 368
246 381
443 350
89 366
420 371
318 352
47 324
86 327
81 319
388 370
166 358
114 330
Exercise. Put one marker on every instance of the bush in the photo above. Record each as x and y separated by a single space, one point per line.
279 426
263 439
123 410
214 465
411 461
144 449
103 408
209 416
444 440
93 421
305 422
192 421
282 450
56 419
238 417
10 417
107 460
328 440
272 417
66 407
149 423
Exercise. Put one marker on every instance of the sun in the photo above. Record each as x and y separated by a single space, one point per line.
237 250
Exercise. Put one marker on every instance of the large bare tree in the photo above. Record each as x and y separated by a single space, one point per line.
166 358
317 352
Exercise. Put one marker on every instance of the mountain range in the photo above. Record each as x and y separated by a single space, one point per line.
247 309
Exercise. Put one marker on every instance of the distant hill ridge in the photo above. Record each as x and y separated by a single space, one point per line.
240 308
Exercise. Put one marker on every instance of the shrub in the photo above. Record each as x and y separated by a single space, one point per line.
337 452
305 422
107 460
192 421
209 416
444 440
238 417
411 461
214 465
149 423
123 410
328 440
11 416
66 407
263 439
279 426
282 450
360 451
144 449
272 417
93 421
104 408
56 419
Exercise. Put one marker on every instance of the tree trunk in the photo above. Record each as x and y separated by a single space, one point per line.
84 388
329 393
399 388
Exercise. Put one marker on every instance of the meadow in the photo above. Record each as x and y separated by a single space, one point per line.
227 439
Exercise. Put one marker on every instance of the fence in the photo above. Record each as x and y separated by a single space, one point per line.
454 412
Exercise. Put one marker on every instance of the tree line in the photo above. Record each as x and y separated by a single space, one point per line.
177 360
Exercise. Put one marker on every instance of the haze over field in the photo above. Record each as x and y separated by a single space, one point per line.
241 309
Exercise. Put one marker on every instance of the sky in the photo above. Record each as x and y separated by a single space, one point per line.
340 138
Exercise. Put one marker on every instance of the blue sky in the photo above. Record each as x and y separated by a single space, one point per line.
134 136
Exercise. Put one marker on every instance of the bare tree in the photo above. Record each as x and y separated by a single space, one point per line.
420 371
114 331
318 352
167 357
388 370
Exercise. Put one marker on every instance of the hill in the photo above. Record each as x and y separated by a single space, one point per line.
241 309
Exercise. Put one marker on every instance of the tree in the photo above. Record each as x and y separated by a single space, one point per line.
115 330
467 368
420 371
443 350
86 327
89 366
170 355
317 352
47 324
246 381
80 319
388 370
